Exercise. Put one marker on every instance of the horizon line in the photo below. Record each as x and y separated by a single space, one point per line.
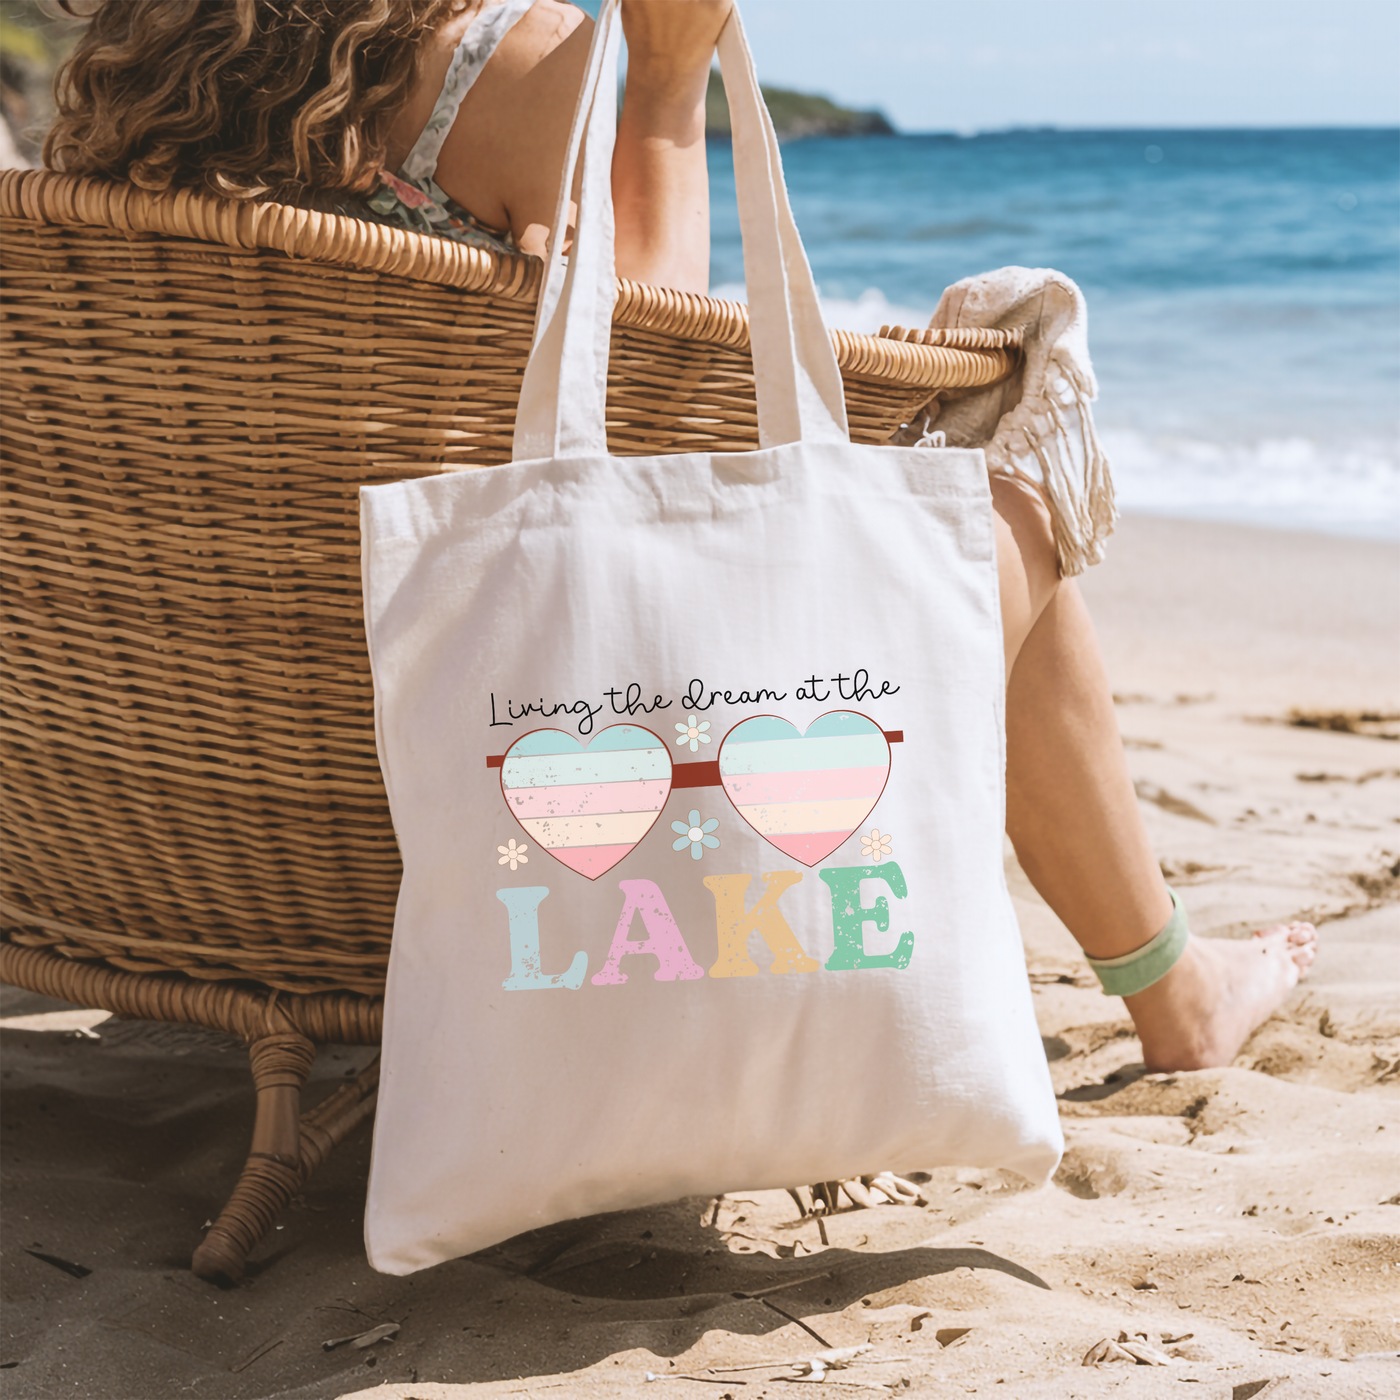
1035 128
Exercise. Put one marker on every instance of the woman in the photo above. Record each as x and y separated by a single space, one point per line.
322 100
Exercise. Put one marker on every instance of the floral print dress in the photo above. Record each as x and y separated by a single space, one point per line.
412 198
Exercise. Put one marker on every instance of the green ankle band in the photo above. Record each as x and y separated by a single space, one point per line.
1135 972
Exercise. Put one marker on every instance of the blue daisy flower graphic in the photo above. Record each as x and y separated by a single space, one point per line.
695 834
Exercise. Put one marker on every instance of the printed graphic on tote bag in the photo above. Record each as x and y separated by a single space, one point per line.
589 804
805 793
588 807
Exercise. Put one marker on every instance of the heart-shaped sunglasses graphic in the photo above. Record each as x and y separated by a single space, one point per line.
587 806
805 793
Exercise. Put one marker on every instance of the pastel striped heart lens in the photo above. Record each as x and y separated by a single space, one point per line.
587 806
805 793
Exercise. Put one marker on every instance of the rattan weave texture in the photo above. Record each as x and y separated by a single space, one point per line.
193 391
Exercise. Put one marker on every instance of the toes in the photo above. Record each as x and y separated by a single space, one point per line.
1302 944
1297 932
1296 943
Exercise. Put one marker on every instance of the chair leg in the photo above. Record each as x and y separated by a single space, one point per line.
333 1120
287 1149
272 1174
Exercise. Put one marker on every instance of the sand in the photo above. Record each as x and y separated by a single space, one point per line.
1243 1222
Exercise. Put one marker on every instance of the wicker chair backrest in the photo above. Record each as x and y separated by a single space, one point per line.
194 389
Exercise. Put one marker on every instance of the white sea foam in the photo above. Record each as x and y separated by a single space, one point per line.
1300 483
1287 483
871 310
865 314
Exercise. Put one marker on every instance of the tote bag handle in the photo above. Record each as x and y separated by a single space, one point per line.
798 382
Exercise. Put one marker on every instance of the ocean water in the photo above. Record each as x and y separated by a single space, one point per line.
1243 292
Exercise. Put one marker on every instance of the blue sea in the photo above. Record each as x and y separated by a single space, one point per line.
1243 292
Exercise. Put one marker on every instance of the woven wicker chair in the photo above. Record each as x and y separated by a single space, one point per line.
194 389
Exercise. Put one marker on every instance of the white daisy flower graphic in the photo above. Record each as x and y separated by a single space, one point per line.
514 855
876 846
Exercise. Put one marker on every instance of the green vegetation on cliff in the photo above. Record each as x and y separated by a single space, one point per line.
796 114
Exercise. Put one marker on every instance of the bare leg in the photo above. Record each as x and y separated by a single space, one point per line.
1073 817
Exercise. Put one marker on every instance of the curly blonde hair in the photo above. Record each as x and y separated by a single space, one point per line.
243 98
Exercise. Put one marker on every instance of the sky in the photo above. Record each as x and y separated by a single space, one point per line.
975 65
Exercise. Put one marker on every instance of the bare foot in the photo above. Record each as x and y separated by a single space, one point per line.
1201 1013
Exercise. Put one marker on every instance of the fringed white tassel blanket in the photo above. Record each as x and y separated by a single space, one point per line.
1036 425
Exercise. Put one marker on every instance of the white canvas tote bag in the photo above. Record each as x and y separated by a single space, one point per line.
696 765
